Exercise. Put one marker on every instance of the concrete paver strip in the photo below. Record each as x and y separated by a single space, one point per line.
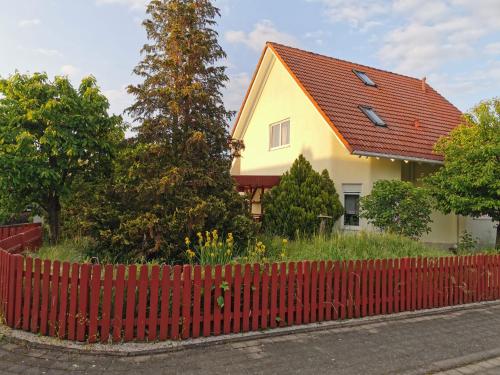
452 342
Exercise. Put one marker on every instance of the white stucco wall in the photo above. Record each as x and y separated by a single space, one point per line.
281 98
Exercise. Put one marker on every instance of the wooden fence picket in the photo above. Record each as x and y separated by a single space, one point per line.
237 298
142 302
27 293
95 294
186 301
176 301
228 279
196 300
119 302
255 297
63 308
165 317
264 306
106 303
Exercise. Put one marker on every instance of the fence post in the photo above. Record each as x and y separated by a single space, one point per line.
11 290
3 284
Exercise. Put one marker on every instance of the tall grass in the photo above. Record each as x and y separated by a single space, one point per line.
342 246
68 250
337 246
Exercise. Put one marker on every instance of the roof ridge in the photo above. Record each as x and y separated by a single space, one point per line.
347 61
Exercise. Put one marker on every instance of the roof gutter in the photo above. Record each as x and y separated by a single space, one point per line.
396 157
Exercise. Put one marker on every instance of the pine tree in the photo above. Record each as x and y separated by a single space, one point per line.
174 180
294 206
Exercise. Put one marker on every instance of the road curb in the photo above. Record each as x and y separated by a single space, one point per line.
141 349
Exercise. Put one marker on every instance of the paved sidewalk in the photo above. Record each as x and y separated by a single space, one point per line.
489 367
414 345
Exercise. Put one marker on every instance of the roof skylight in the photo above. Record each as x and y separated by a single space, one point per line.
372 115
364 78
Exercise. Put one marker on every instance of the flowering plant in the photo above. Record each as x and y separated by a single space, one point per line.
210 248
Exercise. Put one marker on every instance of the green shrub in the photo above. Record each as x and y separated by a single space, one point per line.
467 243
302 195
398 207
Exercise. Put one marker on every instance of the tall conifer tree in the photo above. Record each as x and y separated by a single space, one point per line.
175 179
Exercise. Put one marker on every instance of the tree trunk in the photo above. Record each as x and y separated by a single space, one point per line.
54 214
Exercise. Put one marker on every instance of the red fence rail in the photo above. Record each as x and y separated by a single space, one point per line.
18 238
114 303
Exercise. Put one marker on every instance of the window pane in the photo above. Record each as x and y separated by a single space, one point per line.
374 117
351 206
275 135
364 77
285 133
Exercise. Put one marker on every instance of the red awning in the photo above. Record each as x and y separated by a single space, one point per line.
244 182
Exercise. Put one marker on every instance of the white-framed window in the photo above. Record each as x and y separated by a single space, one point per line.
352 193
279 134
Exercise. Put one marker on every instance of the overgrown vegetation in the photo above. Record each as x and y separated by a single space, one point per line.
339 246
336 246
303 195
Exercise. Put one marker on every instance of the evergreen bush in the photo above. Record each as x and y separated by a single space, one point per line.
294 206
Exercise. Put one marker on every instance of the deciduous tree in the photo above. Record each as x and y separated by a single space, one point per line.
398 207
51 133
469 181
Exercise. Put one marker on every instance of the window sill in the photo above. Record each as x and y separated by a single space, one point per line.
279 147
351 227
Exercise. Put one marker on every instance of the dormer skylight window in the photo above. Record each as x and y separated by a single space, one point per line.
364 78
372 115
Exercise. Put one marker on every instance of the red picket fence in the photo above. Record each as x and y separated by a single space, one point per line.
18 238
114 303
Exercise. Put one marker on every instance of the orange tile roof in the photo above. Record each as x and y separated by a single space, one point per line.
399 100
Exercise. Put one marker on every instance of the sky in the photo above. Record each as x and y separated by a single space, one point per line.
454 43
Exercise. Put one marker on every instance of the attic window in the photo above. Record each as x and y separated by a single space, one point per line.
372 115
279 134
364 78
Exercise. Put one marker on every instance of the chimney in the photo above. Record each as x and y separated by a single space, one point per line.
424 85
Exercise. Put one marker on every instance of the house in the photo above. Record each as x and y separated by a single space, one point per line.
360 123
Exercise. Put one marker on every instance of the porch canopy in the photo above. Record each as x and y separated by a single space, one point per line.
250 183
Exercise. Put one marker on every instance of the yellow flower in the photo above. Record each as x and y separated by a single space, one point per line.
212 255
190 253
285 241
283 255
187 241
228 252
